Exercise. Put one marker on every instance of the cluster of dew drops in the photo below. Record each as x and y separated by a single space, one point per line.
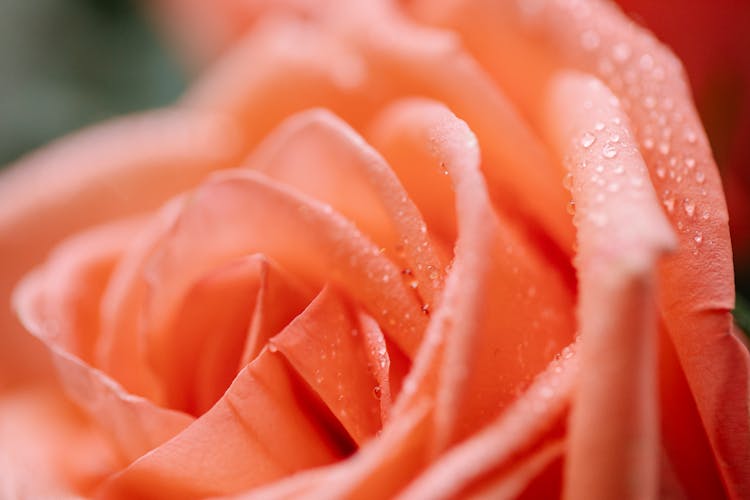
636 79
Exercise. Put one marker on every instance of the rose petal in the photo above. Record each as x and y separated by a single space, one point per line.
327 349
514 482
280 67
509 436
354 179
621 235
47 449
200 353
409 59
242 212
122 167
649 81
81 267
493 294
261 430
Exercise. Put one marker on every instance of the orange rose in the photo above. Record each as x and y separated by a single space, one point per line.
375 294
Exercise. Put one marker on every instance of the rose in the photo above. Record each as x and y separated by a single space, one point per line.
478 411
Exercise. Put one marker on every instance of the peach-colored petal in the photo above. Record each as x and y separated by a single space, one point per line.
621 233
280 67
697 279
408 59
514 432
199 354
119 350
47 449
489 315
329 352
125 166
243 212
261 430
514 482
202 31
280 298
319 155
136 424
378 470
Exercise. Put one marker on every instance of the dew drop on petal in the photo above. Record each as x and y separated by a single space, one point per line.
568 181
599 126
587 139
648 143
589 40
700 177
669 204
621 52
698 238
571 207
690 162
609 151
689 206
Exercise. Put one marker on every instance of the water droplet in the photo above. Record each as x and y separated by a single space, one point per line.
599 126
614 137
690 136
669 204
636 182
587 139
571 207
690 162
680 225
426 309
414 284
599 168
609 151
619 169
672 161
700 177
621 52
568 181
272 347
648 143
689 206
705 215
613 187
386 278
664 148
698 238
589 40
406 272
661 172
376 392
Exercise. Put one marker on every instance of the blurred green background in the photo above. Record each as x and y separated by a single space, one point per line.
68 64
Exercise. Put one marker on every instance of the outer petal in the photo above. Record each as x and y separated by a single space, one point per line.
75 278
697 279
622 232
122 167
